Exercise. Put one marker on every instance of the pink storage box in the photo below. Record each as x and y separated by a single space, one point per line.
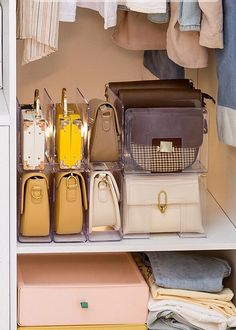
80 289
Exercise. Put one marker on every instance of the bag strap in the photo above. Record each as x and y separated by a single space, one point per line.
25 179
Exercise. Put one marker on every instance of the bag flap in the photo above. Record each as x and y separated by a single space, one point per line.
25 178
182 190
144 126
61 175
147 84
166 97
95 105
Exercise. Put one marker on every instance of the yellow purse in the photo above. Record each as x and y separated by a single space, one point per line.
35 211
69 134
71 200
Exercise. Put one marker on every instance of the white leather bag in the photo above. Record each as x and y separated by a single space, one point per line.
104 212
162 204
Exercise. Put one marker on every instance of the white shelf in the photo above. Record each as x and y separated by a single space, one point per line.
221 235
4 113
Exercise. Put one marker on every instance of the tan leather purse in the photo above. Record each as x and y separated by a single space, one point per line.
105 132
35 211
70 201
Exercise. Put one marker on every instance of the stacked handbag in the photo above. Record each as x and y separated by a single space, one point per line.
164 123
128 165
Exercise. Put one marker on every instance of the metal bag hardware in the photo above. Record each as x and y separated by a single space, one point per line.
33 135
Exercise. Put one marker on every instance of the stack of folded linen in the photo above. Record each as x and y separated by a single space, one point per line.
187 291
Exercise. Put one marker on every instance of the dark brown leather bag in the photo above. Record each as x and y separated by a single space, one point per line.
163 139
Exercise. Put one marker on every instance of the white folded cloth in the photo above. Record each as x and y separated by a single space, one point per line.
202 317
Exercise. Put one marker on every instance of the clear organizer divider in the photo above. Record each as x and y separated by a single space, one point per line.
102 230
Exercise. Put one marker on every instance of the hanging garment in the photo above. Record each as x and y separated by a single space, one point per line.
183 48
135 32
225 63
107 9
37 25
189 15
161 17
67 10
188 271
159 64
211 34
147 6
202 317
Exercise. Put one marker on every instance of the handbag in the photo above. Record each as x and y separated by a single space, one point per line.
166 204
163 139
33 128
69 134
35 211
105 132
104 212
70 202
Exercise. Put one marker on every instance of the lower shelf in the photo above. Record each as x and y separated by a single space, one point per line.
220 235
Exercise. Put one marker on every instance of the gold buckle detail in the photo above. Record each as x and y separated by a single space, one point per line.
162 206
36 192
166 146
73 184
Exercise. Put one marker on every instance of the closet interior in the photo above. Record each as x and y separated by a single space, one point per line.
87 60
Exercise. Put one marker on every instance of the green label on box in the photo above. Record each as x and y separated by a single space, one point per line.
84 304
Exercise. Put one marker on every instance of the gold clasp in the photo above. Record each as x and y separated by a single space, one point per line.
71 182
36 192
162 206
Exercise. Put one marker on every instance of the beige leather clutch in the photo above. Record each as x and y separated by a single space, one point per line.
70 202
35 212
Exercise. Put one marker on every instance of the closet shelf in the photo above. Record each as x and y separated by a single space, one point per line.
219 227
4 113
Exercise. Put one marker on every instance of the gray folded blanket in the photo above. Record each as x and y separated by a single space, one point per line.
188 271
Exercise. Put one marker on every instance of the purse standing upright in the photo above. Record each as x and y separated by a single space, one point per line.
33 135
69 139
70 202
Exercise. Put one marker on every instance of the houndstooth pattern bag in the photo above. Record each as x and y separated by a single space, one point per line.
151 159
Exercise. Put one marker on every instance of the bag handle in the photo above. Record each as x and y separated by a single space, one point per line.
25 179
64 102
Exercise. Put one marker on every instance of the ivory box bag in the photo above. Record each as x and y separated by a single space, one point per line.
33 128
157 204
81 289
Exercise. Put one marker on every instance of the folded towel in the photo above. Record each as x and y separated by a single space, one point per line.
198 316
188 271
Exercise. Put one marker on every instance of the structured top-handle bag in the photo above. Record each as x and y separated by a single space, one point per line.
105 132
104 209
35 212
71 200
